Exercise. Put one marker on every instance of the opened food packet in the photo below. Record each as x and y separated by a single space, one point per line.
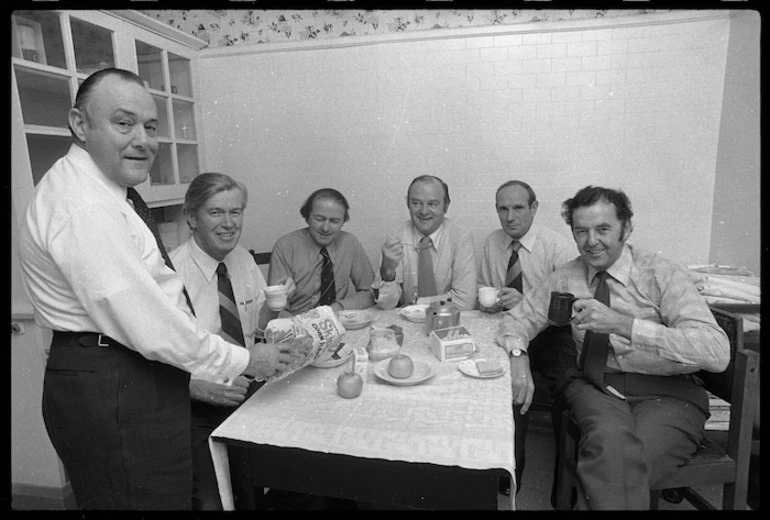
313 336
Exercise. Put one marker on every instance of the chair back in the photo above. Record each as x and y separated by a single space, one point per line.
721 384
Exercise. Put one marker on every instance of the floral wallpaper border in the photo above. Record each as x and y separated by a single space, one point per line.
228 27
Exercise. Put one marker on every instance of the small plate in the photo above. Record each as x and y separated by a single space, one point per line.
415 313
422 372
468 367
343 353
353 320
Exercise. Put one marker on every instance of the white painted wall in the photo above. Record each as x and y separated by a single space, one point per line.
632 104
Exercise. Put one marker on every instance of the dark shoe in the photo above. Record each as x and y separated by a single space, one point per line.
672 495
504 486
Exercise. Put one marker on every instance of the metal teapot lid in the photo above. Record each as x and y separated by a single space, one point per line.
443 307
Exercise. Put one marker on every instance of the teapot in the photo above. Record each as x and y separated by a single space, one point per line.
441 315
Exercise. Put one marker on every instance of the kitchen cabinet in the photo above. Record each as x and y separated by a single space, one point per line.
53 52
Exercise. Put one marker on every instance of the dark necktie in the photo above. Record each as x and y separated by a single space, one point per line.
228 311
426 280
146 215
596 346
328 290
513 276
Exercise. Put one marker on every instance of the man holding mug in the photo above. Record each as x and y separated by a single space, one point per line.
227 290
642 330
516 258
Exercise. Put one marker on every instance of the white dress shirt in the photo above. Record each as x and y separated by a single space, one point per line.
542 251
91 264
454 265
199 271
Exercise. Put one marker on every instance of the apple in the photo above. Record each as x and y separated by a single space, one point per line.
349 385
401 366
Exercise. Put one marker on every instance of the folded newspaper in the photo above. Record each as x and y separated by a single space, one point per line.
313 336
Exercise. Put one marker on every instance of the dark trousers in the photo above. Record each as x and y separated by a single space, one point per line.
551 354
120 424
205 419
627 446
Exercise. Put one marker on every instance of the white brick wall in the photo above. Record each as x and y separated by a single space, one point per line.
634 107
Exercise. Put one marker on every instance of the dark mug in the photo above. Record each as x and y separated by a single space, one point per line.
560 309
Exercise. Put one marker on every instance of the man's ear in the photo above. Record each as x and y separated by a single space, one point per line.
78 122
628 227
533 207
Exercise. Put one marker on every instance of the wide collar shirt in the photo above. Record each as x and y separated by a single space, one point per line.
296 255
542 251
454 264
91 264
199 271
673 330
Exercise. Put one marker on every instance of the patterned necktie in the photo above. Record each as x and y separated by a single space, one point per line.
426 280
596 346
146 215
513 277
228 312
328 290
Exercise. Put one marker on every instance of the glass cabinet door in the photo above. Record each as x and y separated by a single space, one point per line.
168 77
54 51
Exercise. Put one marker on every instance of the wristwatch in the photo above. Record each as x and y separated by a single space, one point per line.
517 352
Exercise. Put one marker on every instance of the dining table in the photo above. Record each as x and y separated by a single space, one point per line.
443 443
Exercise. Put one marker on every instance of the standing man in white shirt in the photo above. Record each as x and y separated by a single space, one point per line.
428 258
530 253
116 401
214 206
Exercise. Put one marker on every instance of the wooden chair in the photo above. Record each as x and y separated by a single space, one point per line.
711 464
261 258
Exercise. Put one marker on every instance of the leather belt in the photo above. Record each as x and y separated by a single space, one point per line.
84 339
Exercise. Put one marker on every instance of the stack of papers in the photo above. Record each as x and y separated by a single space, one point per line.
720 414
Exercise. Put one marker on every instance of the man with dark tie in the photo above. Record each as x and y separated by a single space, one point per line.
428 258
328 265
116 401
226 288
518 256
641 330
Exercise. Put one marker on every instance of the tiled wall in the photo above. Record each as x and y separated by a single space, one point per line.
631 106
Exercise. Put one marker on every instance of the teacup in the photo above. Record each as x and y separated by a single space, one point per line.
275 297
488 296
560 308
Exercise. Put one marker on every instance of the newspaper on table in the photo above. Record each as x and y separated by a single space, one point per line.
313 336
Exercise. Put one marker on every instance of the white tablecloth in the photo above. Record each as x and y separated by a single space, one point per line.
451 419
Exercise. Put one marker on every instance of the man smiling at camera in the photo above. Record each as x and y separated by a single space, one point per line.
428 258
641 330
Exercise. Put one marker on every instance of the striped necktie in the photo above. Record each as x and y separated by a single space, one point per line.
426 279
145 214
596 346
513 277
328 290
228 312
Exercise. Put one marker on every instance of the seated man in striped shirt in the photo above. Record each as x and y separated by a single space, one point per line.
641 330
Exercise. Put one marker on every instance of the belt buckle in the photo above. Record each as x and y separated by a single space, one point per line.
99 341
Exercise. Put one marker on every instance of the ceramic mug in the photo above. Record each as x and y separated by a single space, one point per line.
488 296
560 308
275 297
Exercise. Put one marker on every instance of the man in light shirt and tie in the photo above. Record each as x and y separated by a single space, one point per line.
428 258
518 256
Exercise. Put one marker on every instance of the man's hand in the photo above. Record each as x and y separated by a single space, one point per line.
267 359
392 253
508 298
522 385
591 314
288 282
219 395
